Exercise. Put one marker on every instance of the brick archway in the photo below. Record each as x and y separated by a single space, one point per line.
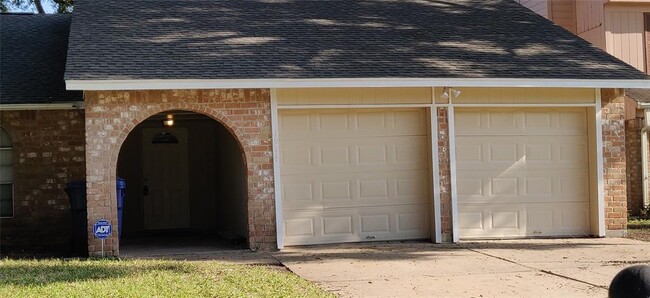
112 115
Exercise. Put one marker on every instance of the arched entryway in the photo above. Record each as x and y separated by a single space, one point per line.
186 186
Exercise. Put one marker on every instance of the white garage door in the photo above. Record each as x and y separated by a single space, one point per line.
522 172
354 175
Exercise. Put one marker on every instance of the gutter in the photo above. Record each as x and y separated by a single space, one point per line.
75 105
163 84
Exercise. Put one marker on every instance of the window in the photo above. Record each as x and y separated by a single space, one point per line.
6 175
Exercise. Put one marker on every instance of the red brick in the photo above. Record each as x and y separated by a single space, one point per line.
48 150
246 113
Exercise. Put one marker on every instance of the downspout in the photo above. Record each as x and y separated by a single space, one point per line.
644 151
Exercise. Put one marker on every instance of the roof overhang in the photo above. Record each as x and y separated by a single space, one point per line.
43 106
348 82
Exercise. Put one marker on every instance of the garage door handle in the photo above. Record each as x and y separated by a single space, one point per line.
145 191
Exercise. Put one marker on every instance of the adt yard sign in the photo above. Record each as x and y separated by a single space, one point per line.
102 229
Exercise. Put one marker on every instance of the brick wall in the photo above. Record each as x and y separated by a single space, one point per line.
111 115
634 173
614 165
445 174
49 151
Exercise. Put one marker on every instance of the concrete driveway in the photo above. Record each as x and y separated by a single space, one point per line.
513 268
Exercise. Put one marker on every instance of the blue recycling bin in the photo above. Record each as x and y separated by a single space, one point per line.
121 195
77 194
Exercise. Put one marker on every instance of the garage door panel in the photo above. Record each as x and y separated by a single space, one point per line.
536 122
357 224
340 124
522 172
332 190
354 175
522 220
530 186
360 154
523 153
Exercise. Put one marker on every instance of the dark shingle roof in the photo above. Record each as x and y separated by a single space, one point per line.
32 59
234 39
640 95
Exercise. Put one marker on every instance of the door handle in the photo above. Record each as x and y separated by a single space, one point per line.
145 191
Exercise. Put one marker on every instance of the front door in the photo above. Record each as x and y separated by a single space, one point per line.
166 179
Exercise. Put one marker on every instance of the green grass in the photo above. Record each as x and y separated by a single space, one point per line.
638 223
148 278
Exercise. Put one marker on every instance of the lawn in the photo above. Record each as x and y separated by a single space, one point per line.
639 229
148 278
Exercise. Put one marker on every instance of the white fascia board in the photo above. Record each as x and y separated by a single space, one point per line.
347 82
43 106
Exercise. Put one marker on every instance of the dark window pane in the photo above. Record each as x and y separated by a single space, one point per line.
6 200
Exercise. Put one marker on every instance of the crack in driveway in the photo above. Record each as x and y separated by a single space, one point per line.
536 269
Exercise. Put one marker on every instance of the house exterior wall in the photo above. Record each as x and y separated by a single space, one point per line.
112 115
48 152
634 172
614 26
624 26
53 143
590 16
563 13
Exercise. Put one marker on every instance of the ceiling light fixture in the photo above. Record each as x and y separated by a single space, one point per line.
169 121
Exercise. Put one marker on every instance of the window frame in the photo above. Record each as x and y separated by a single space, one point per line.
10 183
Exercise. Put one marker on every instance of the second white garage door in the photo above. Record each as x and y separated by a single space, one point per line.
354 175
522 172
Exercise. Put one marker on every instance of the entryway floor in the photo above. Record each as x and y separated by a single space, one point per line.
152 246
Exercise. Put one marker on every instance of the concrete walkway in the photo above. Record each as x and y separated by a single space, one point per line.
517 268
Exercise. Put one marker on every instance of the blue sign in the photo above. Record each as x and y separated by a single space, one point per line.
102 229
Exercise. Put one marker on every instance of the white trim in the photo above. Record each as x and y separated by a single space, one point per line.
347 82
458 105
435 169
277 183
600 165
523 105
452 169
43 106
356 106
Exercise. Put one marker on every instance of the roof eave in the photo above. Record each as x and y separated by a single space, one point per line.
72 105
348 82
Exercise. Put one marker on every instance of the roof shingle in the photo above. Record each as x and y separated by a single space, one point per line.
32 59
291 39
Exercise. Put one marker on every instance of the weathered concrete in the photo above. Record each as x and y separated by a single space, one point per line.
517 268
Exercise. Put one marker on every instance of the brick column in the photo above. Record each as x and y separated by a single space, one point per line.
445 174
614 165
112 115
